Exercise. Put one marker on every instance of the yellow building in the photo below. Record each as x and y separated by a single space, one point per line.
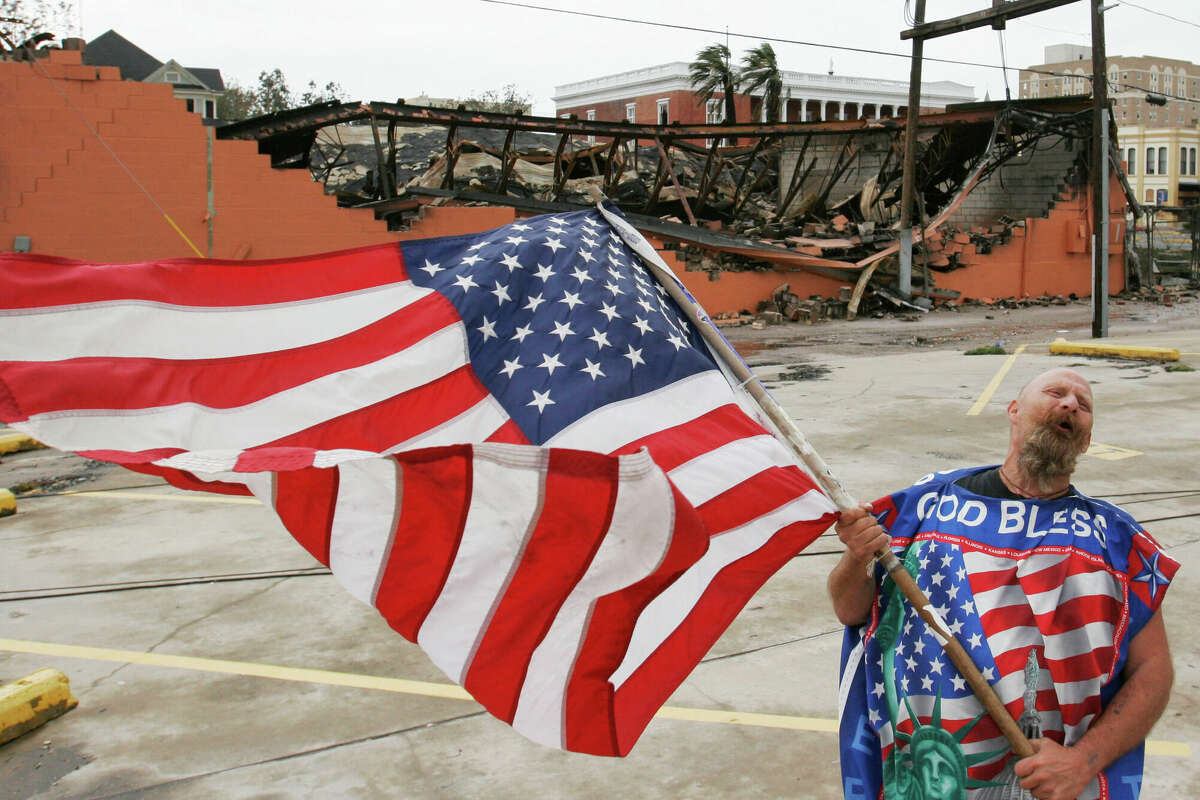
1160 164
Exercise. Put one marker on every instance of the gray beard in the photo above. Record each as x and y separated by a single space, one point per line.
1047 455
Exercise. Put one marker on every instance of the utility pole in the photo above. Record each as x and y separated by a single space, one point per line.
1000 12
910 158
1099 175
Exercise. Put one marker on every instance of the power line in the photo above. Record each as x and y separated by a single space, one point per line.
802 43
1160 13
780 40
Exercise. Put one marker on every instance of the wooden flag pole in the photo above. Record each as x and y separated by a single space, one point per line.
829 482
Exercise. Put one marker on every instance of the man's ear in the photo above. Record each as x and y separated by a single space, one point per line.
1012 409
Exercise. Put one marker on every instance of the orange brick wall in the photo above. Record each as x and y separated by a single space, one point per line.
1052 255
61 187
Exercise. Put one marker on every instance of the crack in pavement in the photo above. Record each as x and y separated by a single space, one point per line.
142 790
189 623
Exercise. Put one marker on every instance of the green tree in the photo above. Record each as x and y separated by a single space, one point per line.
272 93
711 73
330 91
507 100
760 72
237 103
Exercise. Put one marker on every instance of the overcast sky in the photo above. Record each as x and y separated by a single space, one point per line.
452 48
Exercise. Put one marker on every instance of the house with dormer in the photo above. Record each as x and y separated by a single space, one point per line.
199 87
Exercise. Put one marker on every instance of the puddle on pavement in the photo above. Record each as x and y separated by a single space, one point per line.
804 372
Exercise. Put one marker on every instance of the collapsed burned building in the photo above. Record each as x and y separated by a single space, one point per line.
820 198
812 205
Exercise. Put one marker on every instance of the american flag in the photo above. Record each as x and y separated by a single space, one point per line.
341 380
1071 581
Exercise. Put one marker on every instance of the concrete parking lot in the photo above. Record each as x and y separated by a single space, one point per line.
212 657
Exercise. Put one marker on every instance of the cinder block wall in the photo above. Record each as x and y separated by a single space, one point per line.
1027 185
62 188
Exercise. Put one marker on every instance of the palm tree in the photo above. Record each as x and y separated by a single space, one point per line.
711 73
760 71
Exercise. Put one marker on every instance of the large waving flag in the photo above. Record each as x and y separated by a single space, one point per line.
512 444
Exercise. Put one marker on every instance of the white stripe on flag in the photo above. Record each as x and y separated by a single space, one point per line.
612 426
1084 584
363 520
475 424
718 470
634 545
1077 641
507 482
664 614
190 332
194 427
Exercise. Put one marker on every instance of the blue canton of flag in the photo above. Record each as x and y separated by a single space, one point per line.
562 318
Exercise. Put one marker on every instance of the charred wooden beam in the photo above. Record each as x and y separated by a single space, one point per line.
380 162
451 156
666 157
702 192
612 175
660 178
558 165
506 165
738 199
797 179
390 181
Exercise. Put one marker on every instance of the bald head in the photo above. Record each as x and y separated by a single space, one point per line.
1050 425
1059 376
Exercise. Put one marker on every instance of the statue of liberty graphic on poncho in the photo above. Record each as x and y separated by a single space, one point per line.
1047 593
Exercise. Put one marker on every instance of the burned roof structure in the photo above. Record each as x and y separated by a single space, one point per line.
819 196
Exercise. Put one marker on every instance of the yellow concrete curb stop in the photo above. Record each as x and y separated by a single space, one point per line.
1063 347
15 442
8 503
32 701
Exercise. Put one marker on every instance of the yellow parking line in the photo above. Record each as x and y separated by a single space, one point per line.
995 382
199 497
428 689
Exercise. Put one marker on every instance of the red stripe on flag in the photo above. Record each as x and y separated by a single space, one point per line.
435 494
578 497
305 500
39 281
592 724
186 480
135 383
508 433
677 445
754 497
394 420
644 692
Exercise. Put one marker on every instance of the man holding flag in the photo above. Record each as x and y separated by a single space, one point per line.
1055 596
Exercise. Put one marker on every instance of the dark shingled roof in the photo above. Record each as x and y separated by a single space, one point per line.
111 49
209 77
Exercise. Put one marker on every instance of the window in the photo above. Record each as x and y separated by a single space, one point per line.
190 103
1191 161
1149 160
1162 161
1149 195
664 112
591 115
712 112
1131 161
210 109
1183 161
631 113
171 77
